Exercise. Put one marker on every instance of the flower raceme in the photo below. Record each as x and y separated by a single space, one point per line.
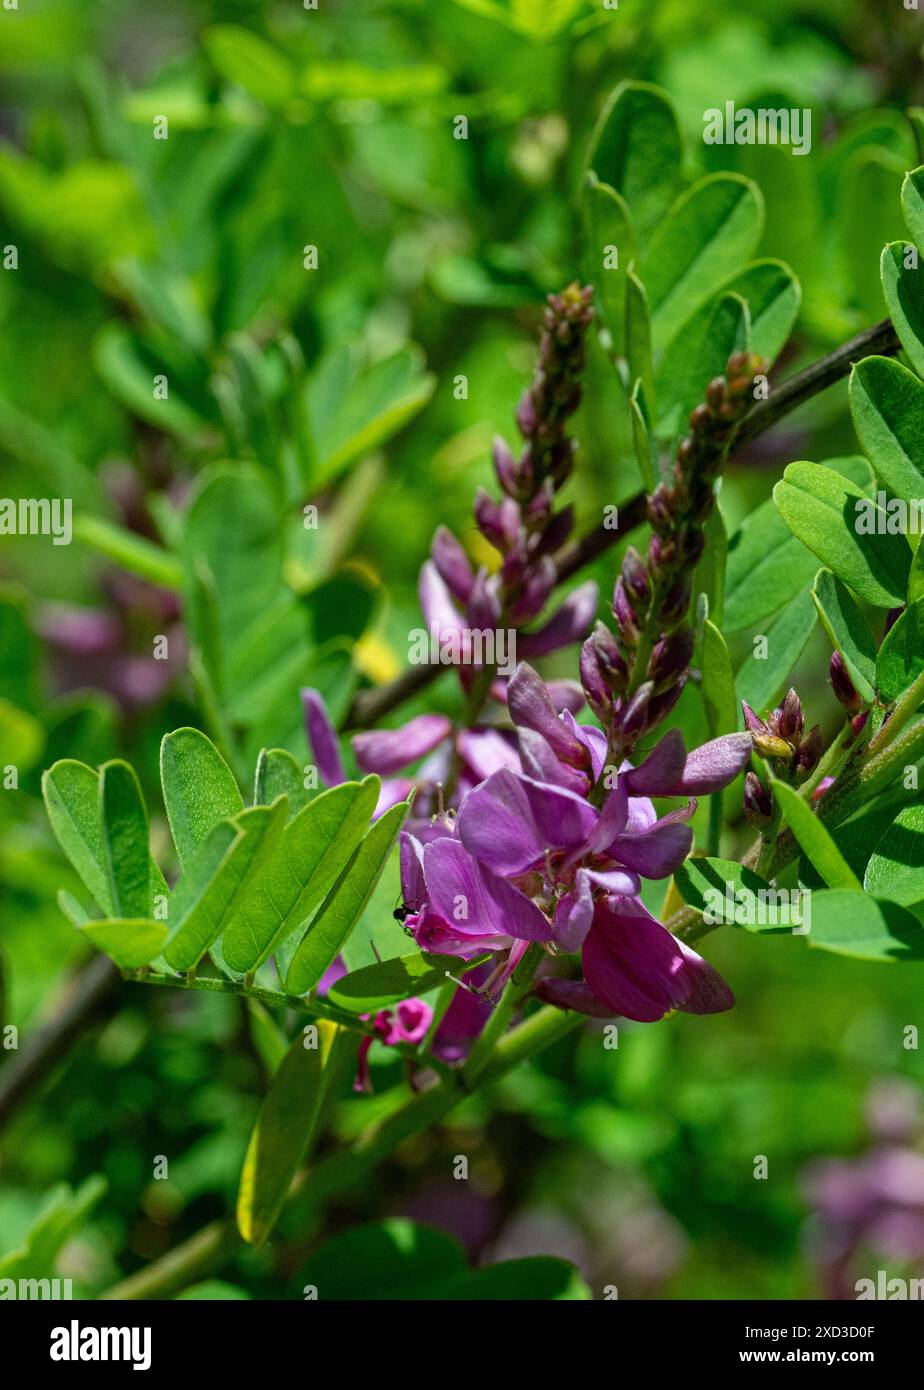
530 859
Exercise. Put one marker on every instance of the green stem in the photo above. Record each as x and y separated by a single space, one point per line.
276 999
211 1247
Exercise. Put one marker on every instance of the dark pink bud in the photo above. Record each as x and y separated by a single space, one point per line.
789 718
752 723
758 805
809 752
634 718
843 686
505 466
670 657
635 576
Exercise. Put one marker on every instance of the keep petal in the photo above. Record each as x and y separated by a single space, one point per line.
387 750
632 963
510 821
531 707
322 738
707 769
709 994
476 902
568 624
572 994
657 852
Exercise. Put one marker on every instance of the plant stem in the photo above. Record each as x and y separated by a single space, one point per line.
276 999
369 706
211 1247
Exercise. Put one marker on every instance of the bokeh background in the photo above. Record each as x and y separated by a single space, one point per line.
184 256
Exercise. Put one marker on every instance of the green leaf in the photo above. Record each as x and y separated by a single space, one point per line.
353 408
248 61
645 452
767 567
278 774
122 363
697 355
391 1259
709 575
822 509
220 876
130 552
713 228
537 1277
638 343
771 296
199 789
903 288
130 941
887 404
344 903
284 1130
729 894
913 204
813 838
848 630
315 849
718 683
609 235
268 1039
901 656
71 792
376 986
637 149
126 853
762 679
896 867
62 1215
855 924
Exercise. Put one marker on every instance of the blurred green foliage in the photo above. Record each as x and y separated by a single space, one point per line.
190 258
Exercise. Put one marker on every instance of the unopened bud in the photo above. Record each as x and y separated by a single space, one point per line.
843 686
758 804
769 746
789 720
809 752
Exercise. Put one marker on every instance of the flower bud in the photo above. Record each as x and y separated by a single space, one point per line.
634 718
769 746
843 686
594 682
809 752
758 804
635 577
670 657
505 466
752 722
789 720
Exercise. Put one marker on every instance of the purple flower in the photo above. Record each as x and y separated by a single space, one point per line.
407 1022
634 968
459 907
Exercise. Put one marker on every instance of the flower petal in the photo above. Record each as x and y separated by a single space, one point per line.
568 624
572 994
387 750
450 559
475 902
322 738
510 821
707 769
632 963
531 707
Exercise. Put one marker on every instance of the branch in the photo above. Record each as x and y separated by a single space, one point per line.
369 706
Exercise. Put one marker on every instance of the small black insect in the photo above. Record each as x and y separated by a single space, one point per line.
402 912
